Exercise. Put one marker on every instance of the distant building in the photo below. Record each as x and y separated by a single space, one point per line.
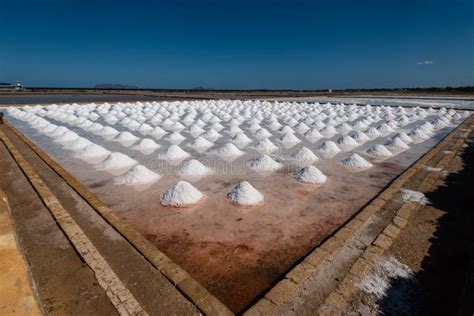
9 86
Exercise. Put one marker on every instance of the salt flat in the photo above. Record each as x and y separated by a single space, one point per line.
136 157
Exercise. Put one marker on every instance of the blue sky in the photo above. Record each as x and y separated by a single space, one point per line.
238 44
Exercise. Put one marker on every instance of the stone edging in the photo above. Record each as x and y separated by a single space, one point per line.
190 288
285 288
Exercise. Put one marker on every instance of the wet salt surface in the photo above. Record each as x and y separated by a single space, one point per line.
238 252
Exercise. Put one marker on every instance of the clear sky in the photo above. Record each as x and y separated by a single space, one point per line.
238 44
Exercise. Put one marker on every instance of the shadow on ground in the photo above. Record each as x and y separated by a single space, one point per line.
445 283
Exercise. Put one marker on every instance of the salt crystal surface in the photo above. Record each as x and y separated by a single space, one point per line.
181 194
396 144
310 174
68 136
266 147
79 144
244 194
201 144
92 151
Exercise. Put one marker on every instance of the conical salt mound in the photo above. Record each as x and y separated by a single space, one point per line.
241 139
355 161
404 136
379 151
115 161
229 150
211 135
58 131
372 133
201 144
174 152
310 175
263 163
146 145
192 168
329 149
266 147
262 133
126 138
49 129
328 131
138 175
347 142
397 144
92 151
244 194
108 131
78 144
313 135
360 137
181 194
68 136
175 138
289 139
418 135
304 154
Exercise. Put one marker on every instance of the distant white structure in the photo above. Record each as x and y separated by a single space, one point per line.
8 86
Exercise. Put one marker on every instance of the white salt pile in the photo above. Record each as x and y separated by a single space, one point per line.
78 144
126 138
328 149
59 131
146 145
138 175
379 151
304 154
244 194
228 151
181 194
346 142
92 151
313 135
360 137
262 133
328 131
49 128
211 135
396 144
175 138
310 174
116 161
263 164
289 140
200 144
417 135
404 137
266 147
355 161
414 196
193 169
240 139
372 133
108 131
68 136
174 152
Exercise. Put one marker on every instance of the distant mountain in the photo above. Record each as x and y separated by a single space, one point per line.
113 86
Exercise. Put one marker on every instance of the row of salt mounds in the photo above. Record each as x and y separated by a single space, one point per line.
181 194
138 175
310 175
245 195
356 162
